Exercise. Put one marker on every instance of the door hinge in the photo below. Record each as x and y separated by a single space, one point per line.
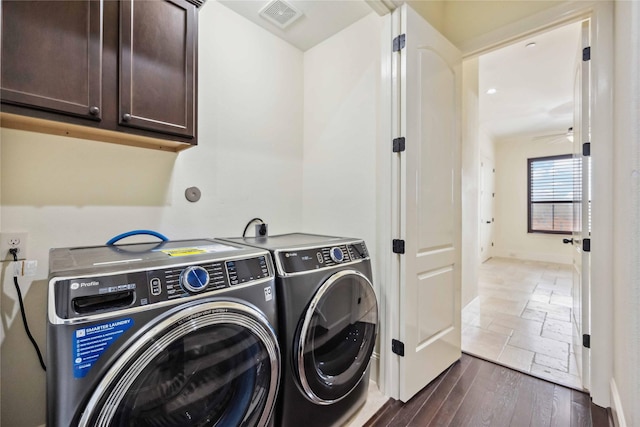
397 347
586 340
586 149
586 245
399 43
398 144
398 246
586 53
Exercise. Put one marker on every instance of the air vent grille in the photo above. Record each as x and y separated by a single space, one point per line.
280 13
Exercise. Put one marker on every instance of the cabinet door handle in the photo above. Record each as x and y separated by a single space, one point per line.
94 111
126 117
567 241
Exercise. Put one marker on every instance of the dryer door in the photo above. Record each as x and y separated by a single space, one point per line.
213 363
336 337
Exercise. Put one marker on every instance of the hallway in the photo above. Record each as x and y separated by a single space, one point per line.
522 319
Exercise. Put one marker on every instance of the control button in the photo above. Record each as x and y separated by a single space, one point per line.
336 254
156 286
320 258
194 278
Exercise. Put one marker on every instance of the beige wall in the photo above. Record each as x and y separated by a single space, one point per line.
465 20
68 192
626 219
511 237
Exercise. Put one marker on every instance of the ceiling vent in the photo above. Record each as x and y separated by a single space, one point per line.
280 13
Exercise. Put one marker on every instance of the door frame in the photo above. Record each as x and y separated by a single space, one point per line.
601 15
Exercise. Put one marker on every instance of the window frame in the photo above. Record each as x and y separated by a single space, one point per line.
530 203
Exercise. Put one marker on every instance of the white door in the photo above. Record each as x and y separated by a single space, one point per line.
581 211
428 185
487 193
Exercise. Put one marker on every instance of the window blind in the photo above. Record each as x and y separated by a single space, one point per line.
555 183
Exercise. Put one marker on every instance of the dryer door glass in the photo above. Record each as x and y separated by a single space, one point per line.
337 336
203 368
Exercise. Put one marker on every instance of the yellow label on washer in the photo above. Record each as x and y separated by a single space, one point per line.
183 251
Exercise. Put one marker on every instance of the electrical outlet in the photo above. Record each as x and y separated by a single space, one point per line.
13 240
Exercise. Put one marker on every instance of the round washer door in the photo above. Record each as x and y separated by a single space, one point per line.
336 338
213 363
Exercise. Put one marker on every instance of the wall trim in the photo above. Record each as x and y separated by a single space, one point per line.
616 406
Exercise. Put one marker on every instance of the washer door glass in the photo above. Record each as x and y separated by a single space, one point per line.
215 364
337 336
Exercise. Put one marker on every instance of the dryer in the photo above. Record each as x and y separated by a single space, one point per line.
328 325
173 334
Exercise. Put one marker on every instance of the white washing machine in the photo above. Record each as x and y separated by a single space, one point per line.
179 333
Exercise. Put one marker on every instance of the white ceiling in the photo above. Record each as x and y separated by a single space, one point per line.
320 18
534 85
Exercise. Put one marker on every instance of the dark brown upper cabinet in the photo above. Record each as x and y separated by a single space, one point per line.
52 56
157 46
122 71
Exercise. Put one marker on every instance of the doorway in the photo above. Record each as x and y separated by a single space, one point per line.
522 314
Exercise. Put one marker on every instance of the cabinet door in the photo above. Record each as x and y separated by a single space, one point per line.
157 65
51 55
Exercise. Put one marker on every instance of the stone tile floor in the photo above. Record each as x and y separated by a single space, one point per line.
522 319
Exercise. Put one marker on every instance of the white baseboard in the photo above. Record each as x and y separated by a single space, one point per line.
374 367
616 406
537 256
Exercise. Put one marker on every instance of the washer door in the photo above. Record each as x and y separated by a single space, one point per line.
210 364
336 337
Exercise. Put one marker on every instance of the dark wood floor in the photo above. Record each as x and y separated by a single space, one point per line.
474 392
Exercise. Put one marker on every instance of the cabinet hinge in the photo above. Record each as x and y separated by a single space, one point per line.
399 43
586 53
586 340
586 245
397 347
398 145
586 149
398 246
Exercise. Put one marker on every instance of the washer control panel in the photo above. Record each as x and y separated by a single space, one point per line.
84 296
295 261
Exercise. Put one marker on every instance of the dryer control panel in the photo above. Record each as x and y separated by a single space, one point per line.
307 259
85 296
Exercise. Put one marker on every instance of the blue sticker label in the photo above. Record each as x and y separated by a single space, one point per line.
89 343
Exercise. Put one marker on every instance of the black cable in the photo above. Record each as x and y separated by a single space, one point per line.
24 315
249 223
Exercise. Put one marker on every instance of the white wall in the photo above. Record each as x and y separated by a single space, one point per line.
626 218
470 181
511 237
68 192
341 133
341 108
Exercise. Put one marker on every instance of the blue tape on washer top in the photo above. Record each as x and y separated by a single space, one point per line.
91 342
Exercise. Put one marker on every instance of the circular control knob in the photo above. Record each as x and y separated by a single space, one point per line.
194 278
336 254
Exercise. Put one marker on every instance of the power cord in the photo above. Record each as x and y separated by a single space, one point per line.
14 252
263 227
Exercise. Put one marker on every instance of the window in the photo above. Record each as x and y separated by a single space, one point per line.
554 185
